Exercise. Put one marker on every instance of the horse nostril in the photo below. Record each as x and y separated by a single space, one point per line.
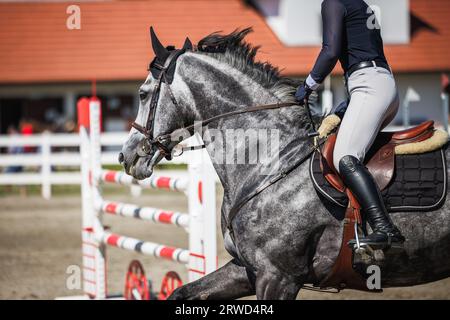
121 158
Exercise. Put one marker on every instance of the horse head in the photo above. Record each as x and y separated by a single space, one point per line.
160 113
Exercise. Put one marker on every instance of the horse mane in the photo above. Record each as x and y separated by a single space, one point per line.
235 51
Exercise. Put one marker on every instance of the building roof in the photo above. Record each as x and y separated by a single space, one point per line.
113 43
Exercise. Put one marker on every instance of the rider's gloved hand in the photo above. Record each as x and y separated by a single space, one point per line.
303 92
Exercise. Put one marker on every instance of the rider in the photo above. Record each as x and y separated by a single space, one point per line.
348 36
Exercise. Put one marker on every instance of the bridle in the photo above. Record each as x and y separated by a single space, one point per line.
145 147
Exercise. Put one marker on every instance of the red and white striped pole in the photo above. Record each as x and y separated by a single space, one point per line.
146 247
154 182
144 213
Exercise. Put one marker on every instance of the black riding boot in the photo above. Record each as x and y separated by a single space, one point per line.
363 186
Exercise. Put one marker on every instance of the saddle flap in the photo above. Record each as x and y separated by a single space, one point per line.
380 165
327 166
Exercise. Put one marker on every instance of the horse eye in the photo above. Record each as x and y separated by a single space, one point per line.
143 95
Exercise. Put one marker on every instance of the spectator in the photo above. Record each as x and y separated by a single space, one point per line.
27 130
13 132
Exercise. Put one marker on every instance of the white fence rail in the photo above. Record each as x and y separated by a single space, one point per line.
47 156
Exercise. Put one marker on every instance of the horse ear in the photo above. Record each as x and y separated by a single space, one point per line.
160 51
187 44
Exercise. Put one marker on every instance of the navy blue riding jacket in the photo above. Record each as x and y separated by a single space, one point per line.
349 35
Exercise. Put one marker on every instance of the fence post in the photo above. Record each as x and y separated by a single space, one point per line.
46 167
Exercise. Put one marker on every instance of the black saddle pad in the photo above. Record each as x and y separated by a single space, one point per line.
419 183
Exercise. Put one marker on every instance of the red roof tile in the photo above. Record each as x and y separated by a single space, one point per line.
113 43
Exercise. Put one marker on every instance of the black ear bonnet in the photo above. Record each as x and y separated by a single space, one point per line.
161 55
156 66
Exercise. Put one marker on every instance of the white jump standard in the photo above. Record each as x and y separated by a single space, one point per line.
200 220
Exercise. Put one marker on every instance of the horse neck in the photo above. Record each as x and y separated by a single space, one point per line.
217 88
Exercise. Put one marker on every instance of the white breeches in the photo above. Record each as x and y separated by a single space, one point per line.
373 105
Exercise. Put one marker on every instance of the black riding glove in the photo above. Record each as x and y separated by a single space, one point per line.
303 92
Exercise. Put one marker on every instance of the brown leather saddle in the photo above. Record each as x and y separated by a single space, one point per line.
381 163
380 159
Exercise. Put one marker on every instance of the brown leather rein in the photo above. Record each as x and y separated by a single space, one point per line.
161 138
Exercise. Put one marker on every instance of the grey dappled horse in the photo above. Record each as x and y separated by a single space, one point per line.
285 237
